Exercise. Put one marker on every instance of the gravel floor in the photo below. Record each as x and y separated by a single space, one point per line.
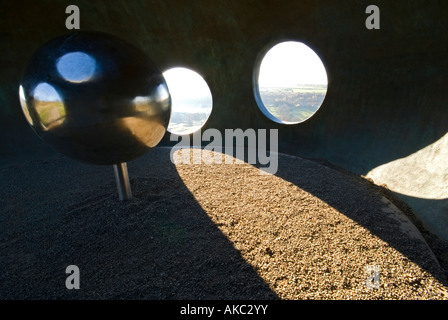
206 232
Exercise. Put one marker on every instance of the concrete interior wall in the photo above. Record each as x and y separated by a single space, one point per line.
386 97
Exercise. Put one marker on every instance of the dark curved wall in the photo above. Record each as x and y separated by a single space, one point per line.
386 96
387 88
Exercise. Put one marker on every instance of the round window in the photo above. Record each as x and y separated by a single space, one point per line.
290 83
191 100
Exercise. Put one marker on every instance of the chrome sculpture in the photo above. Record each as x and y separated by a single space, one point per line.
97 99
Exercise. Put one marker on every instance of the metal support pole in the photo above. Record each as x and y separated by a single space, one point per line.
123 184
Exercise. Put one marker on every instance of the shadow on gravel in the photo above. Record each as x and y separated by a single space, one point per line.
59 212
355 198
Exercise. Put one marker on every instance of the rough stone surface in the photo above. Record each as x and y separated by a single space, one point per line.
420 179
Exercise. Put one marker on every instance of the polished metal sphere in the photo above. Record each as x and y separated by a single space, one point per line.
95 98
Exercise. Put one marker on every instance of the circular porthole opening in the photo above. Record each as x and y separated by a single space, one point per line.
191 100
290 83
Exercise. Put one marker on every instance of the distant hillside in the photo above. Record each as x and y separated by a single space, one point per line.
293 104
